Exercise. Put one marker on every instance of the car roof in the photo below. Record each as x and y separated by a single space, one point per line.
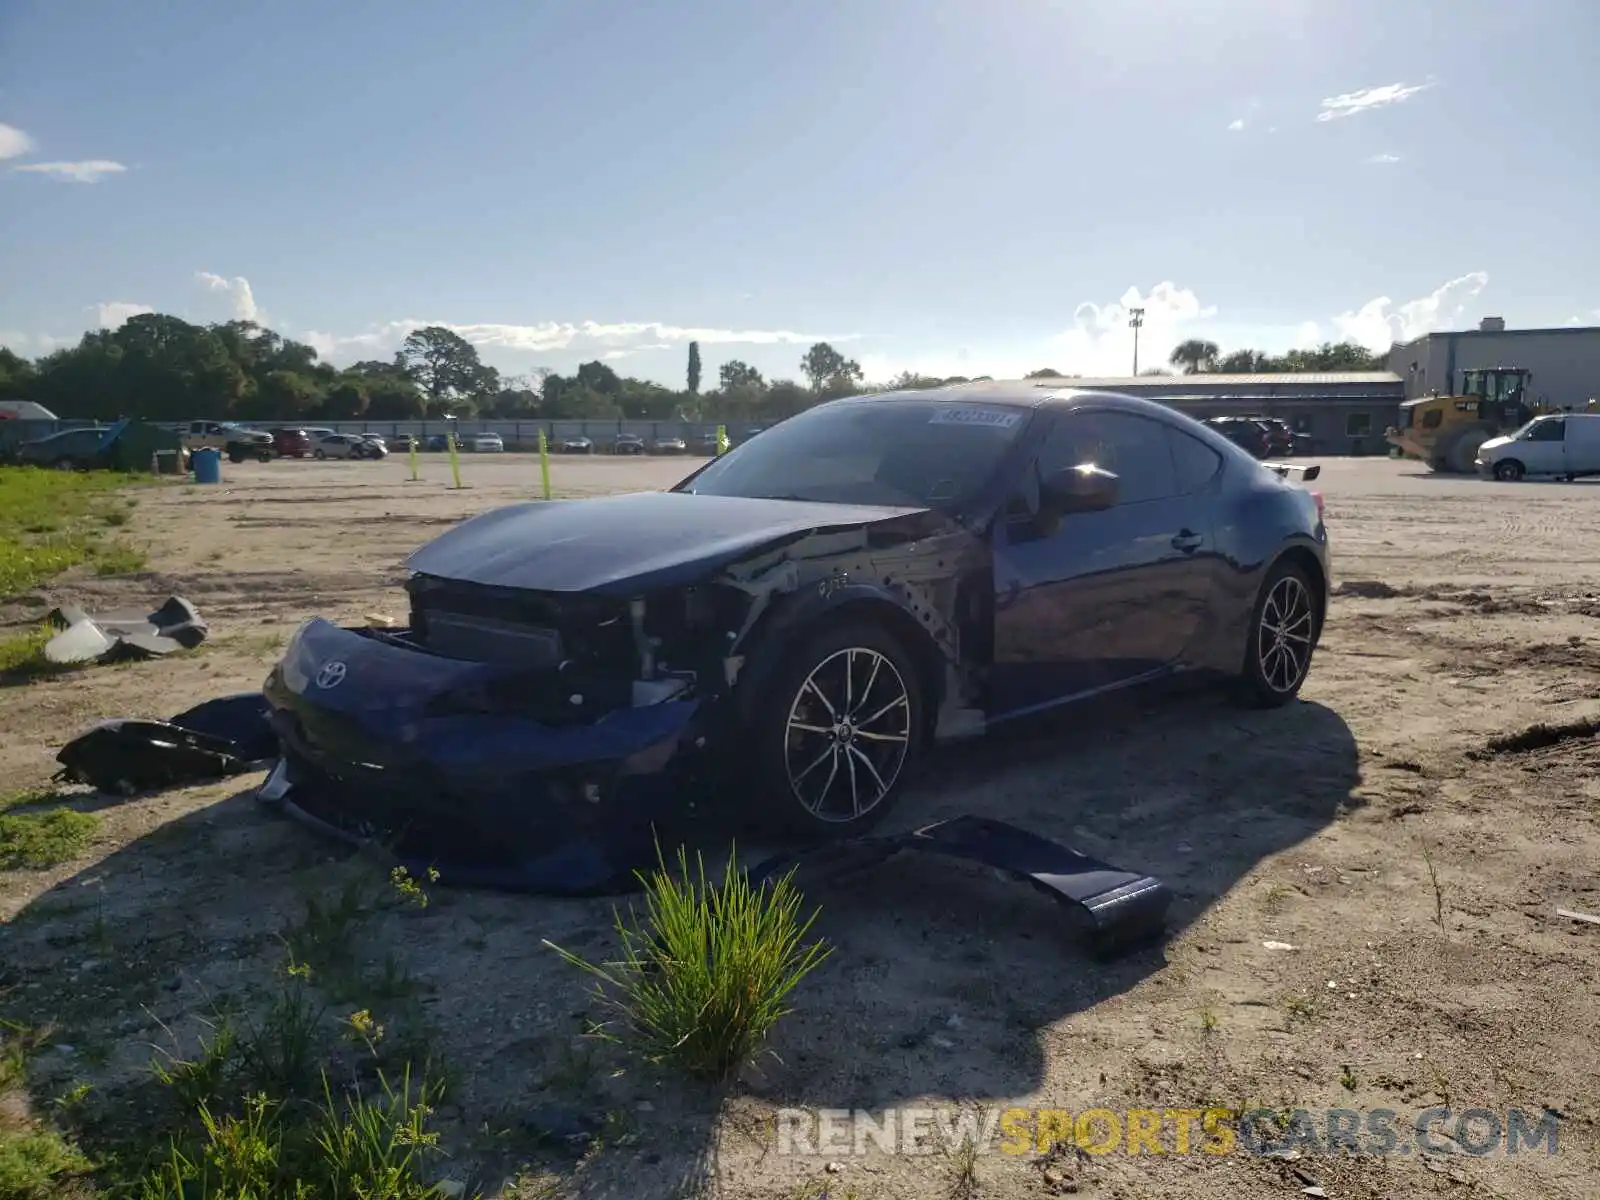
1018 394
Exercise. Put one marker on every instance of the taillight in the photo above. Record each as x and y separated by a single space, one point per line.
1317 496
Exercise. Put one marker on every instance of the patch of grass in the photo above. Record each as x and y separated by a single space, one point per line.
36 1163
22 655
52 520
117 558
43 839
706 973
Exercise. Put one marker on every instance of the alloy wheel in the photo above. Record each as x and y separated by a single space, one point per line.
847 734
1283 641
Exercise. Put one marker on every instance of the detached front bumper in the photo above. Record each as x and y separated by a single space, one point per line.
370 754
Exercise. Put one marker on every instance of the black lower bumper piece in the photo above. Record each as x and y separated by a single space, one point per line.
222 737
1124 909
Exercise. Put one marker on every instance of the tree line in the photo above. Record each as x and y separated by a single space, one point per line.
162 368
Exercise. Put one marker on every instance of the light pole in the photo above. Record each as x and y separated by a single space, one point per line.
1135 321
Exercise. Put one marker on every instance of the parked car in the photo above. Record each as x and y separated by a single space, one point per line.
68 450
628 443
954 558
346 445
406 442
376 441
291 443
1247 434
488 443
577 444
1280 436
238 442
706 443
668 445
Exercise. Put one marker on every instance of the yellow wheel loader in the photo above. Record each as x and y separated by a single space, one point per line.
1446 431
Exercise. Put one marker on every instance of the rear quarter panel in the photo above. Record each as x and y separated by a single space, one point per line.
1259 518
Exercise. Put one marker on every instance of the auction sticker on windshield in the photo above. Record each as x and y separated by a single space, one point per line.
995 418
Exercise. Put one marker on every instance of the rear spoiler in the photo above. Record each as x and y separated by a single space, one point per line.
1307 474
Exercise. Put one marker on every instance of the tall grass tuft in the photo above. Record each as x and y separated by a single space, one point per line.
706 973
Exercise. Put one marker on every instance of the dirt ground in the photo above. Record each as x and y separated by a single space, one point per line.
1367 881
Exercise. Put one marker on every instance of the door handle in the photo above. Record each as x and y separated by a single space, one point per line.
1187 540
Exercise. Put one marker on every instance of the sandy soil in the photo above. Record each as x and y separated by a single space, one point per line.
1413 864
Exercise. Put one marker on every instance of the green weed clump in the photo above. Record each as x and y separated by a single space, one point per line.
707 971
43 839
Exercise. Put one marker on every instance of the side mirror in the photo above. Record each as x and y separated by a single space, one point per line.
1079 489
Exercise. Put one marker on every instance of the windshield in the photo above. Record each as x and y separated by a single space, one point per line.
907 453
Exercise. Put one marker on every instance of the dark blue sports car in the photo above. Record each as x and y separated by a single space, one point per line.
784 631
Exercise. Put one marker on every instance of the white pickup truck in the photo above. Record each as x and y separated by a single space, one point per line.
237 442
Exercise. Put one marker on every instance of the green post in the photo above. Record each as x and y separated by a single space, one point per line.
722 439
544 463
455 459
414 440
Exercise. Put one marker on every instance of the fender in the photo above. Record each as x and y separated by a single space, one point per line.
774 634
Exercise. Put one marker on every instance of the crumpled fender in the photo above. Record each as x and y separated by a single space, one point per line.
1124 908
796 611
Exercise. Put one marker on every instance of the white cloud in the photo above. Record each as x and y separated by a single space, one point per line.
241 299
1351 103
89 171
32 345
1101 342
1384 159
1379 323
1236 126
113 313
605 340
13 142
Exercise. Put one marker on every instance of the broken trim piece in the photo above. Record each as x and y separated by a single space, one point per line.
107 637
1124 909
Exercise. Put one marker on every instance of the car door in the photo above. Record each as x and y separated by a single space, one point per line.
1105 598
1544 450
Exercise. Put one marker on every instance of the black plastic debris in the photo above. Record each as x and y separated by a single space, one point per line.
126 633
222 737
1124 909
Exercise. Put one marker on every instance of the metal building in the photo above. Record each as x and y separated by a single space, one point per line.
1565 362
1344 412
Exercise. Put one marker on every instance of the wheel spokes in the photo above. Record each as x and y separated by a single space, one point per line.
825 725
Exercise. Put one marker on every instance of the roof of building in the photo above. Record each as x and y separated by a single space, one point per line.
1474 333
1280 379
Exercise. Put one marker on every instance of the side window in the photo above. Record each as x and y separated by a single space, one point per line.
1548 431
1195 462
1132 448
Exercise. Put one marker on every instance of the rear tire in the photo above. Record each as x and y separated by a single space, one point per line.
837 730
321 454
1284 627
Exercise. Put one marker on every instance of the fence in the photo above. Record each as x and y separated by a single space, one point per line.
517 434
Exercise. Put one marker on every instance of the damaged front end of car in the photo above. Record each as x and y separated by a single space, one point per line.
514 736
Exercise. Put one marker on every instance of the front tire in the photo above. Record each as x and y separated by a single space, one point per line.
1284 626
837 731
1508 470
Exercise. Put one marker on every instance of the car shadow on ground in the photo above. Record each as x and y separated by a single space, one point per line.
941 981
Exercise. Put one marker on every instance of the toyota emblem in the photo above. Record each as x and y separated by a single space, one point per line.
331 675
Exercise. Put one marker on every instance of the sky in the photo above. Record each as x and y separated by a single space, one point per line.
943 186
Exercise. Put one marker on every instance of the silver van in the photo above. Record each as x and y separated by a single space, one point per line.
1565 445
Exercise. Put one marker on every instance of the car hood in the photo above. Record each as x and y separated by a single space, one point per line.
630 543
1495 443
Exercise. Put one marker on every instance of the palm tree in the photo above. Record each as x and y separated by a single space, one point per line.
1194 355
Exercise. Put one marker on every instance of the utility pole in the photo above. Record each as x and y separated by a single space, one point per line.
1135 321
